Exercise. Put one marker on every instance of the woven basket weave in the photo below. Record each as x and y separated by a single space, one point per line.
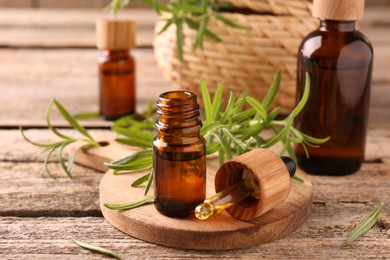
245 59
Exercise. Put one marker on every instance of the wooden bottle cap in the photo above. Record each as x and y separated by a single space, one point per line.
339 10
115 34
270 173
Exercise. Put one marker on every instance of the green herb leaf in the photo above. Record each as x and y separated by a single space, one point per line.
131 205
53 129
72 122
206 100
271 94
179 37
150 181
52 147
61 159
138 182
97 249
366 224
298 179
86 115
216 101
229 22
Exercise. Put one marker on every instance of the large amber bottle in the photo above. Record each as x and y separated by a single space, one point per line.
117 83
339 60
178 155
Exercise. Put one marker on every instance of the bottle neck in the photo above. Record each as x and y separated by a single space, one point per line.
339 26
116 53
179 117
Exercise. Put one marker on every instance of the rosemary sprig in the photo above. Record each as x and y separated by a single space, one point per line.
59 146
97 249
229 129
365 225
195 14
131 205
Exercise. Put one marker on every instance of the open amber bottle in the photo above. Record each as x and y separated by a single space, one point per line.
179 159
339 60
117 86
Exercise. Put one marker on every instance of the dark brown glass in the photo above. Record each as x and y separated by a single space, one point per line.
117 84
179 155
338 59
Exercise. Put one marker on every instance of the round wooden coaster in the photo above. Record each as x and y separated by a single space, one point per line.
216 233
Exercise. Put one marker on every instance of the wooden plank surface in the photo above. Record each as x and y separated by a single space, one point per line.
38 214
69 75
60 208
64 28
73 81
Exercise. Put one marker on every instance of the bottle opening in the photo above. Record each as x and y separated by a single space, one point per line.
180 95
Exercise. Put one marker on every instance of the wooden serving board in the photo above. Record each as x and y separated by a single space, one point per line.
216 233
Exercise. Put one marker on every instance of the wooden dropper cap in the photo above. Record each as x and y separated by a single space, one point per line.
339 10
271 174
115 34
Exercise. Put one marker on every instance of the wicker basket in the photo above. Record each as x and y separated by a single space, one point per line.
245 59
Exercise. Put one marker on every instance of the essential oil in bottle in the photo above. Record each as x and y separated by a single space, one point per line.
339 61
178 155
116 68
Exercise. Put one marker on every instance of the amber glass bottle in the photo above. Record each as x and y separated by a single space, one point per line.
179 155
116 68
338 59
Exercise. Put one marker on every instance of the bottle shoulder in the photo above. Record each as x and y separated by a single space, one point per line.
347 44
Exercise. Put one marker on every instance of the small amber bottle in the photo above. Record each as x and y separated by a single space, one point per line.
178 155
339 61
116 68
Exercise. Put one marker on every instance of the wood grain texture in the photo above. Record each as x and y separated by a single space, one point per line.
28 198
147 224
285 214
73 81
35 210
62 28
68 75
50 238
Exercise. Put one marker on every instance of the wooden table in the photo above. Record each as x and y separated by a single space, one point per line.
50 53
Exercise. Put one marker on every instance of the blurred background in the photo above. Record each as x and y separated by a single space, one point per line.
48 49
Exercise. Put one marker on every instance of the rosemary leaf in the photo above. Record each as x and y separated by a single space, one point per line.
168 23
229 108
34 143
216 100
131 158
213 148
61 159
225 146
97 249
179 37
206 101
134 142
210 127
49 125
229 22
86 115
150 181
194 25
297 178
131 205
46 162
257 106
270 97
73 156
365 225
138 182
72 122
